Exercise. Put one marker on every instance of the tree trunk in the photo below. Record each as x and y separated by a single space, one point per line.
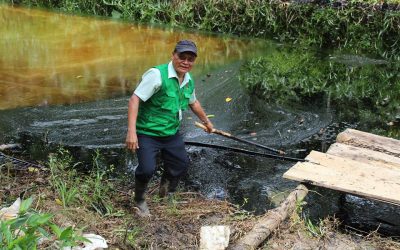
271 220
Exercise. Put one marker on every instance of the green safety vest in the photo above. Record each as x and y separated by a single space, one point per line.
159 115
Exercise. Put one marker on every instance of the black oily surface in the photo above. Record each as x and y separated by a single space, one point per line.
103 124
255 183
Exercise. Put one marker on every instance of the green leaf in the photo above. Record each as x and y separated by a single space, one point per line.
44 232
17 247
67 233
116 14
32 220
25 204
56 230
83 239
5 233
39 219
17 222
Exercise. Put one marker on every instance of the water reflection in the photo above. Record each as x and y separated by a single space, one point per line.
49 58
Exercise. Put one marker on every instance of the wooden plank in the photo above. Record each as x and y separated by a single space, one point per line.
349 176
364 155
366 140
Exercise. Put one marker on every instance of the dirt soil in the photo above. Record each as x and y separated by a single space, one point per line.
294 233
173 225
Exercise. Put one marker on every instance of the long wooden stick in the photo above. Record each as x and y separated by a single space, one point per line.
270 221
230 136
244 151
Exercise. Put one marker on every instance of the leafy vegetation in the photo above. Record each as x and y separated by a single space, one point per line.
72 187
25 231
104 206
369 92
369 26
69 191
63 177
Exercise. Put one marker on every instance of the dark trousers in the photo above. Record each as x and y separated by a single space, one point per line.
173 154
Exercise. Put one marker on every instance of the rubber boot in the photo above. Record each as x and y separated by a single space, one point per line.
173 184
140 201
164 184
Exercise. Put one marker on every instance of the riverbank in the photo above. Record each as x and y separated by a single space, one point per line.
365 26
96 203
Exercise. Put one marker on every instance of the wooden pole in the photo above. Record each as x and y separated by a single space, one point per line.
270 221
244 151
230 136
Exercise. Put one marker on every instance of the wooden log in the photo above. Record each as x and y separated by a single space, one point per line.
271 220
366 140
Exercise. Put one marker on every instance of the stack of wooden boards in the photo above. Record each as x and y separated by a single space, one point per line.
359 163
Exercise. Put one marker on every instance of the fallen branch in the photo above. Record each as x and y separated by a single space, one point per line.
270 221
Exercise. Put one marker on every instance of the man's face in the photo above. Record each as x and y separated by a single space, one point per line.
183 62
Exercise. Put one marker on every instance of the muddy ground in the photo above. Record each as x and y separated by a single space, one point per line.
174 225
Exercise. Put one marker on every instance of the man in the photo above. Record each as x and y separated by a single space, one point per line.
154 115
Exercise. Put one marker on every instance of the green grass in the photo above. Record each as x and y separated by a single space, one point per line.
64 178
85 196
92 188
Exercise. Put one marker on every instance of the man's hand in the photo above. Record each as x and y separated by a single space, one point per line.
132 141
198 110
209 127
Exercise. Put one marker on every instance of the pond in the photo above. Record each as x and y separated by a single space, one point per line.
67 80
49 58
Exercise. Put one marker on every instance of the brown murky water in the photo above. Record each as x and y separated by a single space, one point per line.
50 58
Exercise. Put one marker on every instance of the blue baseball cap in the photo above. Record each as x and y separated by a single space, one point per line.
186 46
